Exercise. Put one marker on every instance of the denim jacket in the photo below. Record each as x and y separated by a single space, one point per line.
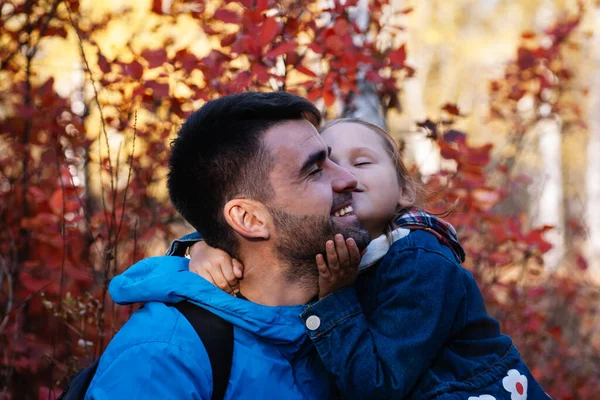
414 326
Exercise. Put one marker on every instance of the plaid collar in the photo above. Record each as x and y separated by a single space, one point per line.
446 234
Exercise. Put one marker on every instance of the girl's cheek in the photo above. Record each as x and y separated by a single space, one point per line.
363 211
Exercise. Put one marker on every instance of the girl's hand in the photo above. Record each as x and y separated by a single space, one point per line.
216 266
341 269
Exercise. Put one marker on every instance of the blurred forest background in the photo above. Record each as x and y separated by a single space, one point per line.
496 103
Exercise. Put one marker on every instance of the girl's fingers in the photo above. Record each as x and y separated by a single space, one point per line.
238 268
332 257
342 251
322 266
219 279
228 274
353 252
199 269
202 272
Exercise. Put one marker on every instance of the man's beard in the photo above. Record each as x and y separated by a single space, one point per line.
301 238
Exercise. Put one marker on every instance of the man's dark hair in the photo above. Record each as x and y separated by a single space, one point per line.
219 155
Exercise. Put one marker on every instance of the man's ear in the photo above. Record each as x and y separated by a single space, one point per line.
249 218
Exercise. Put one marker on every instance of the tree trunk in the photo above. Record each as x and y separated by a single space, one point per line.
549 191
366 104
592 178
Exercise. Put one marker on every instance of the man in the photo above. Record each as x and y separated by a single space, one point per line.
251 173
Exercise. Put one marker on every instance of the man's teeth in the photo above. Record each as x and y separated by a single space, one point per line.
343 211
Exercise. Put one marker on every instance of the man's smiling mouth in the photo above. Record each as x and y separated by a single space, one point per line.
344 211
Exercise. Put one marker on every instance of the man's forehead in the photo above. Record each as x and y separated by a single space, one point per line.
293 138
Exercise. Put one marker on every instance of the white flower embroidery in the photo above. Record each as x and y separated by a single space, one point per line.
515 384
482 397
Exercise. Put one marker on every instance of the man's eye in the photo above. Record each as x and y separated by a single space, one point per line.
316 171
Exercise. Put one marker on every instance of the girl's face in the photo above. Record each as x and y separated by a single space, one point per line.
362 151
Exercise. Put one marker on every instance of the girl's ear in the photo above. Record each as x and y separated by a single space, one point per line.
248 218
408 195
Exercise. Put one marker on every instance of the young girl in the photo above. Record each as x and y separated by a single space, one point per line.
414 324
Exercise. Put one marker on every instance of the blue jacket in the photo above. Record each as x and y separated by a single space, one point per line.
158 355
414 326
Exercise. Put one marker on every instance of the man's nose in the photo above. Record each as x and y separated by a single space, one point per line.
343 180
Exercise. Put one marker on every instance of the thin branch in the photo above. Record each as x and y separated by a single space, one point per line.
128 175
5 271
96 95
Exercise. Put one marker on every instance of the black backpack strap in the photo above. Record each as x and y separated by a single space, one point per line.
78 384
217 336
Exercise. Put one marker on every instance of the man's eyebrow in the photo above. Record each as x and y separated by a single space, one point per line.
315 158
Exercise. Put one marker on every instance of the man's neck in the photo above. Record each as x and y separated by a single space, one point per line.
266 282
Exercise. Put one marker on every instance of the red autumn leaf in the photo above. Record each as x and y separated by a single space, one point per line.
157 6
334 44
535 238
537 292
229 17
480 156
260 71
451 109
563 29
341 27
269 31
555 332
328 97
316 48
229 39
448 152
398 57
253 18
528 35
135 70
313 94
455 136
155 58
500 258
283 48
187 61
244 78
59 31
71 203
405 11
262 5
525 58
301 68
516 93
582 263
25 111
159 90
103 63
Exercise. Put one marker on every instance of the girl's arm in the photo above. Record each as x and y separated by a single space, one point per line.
214 265
383 353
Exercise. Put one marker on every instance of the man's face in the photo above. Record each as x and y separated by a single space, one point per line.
313 195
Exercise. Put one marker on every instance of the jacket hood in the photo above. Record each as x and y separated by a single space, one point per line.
167 279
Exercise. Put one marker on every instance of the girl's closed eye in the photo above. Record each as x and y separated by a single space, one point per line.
361 162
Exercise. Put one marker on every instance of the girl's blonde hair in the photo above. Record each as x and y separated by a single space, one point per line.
406 181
